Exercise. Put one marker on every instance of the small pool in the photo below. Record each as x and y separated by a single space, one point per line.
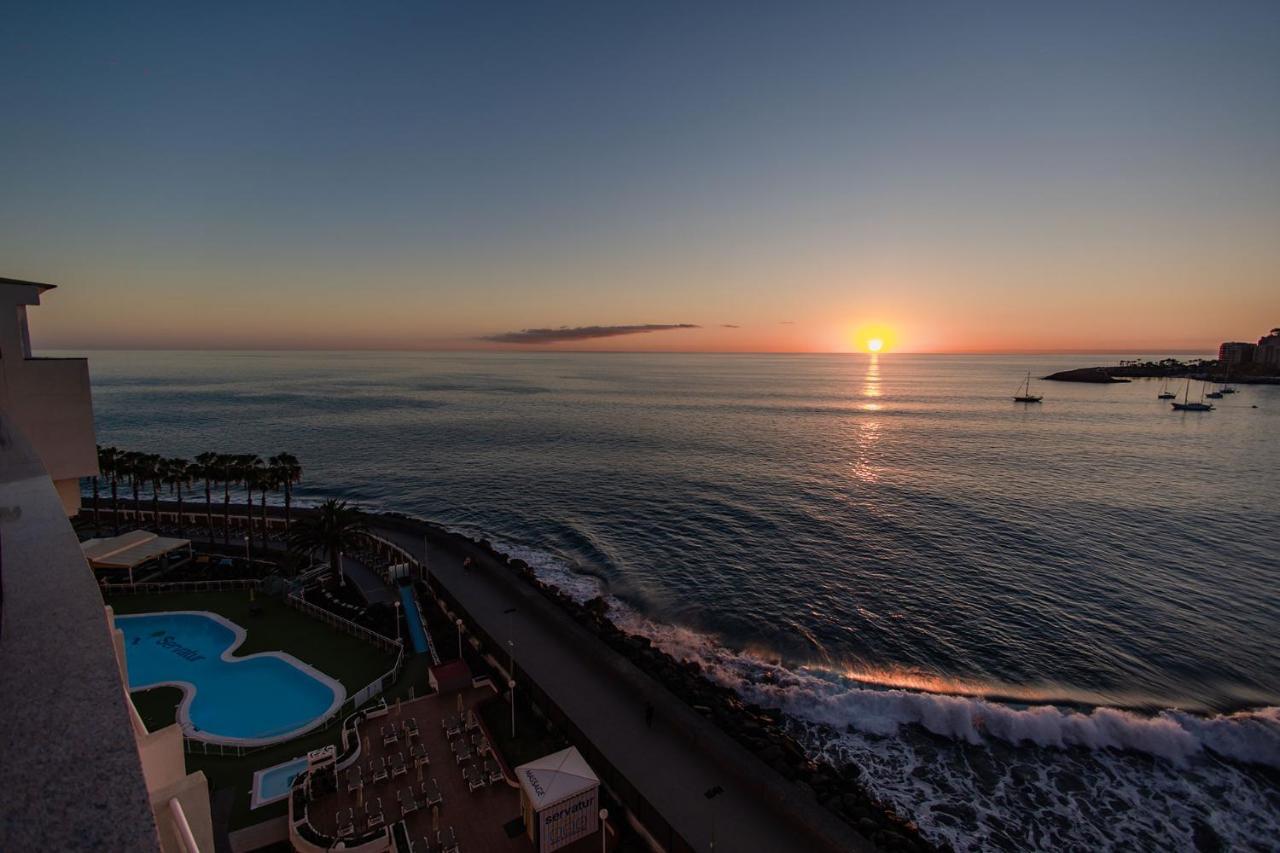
261 698
274 783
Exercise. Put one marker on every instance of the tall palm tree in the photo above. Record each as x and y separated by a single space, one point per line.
250 467
288 472
135 468
114 463
226 465
156 471
332 528
177 473
206 468
268 480
106 459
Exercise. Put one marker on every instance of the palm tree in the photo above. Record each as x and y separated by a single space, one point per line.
112 461
332 528
206 468
156 471
250 467
106 459
135 470
268 480
226 465
288 472
177 473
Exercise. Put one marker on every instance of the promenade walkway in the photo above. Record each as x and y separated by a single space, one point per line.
671 764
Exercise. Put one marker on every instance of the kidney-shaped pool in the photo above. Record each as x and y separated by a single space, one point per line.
260 698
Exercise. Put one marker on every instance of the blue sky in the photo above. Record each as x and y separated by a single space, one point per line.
435 174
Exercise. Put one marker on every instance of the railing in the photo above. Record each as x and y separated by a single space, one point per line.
154 587
185 836
342 624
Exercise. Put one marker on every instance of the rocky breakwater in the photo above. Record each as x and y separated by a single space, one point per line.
761 730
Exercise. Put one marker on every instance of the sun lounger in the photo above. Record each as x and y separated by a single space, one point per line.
431 795
419 754
373 811
448 840
493 770
461 752
473 776
379 767
408 804
390 734
398 767
346 822
354 780
472 722
452 725
411 728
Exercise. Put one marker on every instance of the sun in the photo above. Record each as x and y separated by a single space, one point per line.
875 345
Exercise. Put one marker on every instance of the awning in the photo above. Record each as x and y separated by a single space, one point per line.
129 550
556 777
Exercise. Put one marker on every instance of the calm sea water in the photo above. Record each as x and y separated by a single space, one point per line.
1051 626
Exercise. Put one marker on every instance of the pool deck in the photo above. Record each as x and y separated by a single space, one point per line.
478 817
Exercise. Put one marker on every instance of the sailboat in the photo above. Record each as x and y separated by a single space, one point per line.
1165 393
1214 395
1187 406
1024 394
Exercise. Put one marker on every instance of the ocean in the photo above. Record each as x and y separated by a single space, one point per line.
1046 626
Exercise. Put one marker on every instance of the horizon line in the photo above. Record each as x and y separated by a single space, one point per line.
563 351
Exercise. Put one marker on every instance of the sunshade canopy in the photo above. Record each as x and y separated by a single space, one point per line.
129 550
555 777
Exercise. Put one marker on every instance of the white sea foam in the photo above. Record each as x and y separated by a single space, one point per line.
1015 776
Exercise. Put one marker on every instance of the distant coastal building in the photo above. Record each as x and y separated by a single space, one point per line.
1268 350
1233 353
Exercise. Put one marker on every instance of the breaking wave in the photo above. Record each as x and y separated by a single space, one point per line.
978 773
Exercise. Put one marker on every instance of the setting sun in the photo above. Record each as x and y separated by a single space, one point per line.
875 345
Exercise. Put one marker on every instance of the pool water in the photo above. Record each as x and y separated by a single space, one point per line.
274 783
259 698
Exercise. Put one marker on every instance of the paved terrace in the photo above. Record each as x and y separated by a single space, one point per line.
477 817
672 764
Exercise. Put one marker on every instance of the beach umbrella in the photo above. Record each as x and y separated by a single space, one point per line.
435 818
459 703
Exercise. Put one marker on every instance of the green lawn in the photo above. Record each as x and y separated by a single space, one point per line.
278 628
353 662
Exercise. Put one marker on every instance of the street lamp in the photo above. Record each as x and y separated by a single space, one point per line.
398 640
246 549
511 683
459 639
604 815
711 794
511 642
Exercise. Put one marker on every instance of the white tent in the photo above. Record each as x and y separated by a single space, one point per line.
130 550
559 796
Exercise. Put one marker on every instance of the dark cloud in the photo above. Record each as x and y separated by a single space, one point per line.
786 322
580 333
730 326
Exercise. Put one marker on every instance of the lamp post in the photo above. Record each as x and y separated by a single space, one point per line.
246 549
398 640
459 639
511 642
511 683
604 815
711 793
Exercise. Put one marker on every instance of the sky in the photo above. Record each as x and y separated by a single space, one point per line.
949 177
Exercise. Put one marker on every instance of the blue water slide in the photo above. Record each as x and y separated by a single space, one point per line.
417 636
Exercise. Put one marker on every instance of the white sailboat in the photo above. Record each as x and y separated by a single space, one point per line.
1187 406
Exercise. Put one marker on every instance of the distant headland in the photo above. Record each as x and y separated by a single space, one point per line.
1237 361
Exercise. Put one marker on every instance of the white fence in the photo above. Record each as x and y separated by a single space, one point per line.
153 587
345 625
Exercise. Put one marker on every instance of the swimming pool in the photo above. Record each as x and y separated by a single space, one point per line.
273 783
260 698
